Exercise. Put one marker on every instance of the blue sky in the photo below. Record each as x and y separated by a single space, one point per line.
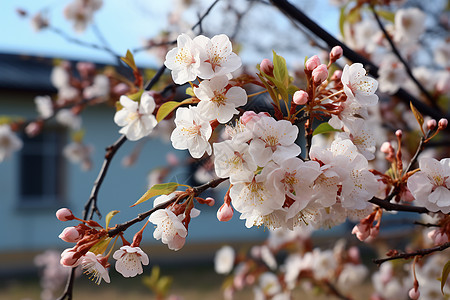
125 25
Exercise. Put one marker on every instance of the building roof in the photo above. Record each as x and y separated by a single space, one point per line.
22 72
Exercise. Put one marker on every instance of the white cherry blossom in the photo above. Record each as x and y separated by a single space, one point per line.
219 55
9 142
362 136
44 106
224 260
136 118
67 118
233 160
184 60
274 140
192 132
94 267
391 74
409 25
168 228
255 197
359 86
431 185
130 260
217 101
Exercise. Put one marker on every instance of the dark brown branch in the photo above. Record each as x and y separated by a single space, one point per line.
385 204
407 255
91 205
431 100
142 216
69 286
291 11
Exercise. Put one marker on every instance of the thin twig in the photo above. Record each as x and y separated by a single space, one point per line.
292 11
402 60
407 255
142 216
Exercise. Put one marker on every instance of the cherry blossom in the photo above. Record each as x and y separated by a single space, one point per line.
218 102
359 86
409 25
192 132
76 152
67 118
95 267
168 228
431 186
99 88
391 75
136 118
273 140
184 60
81 12
224 260
130 260
233 160
44 106
219 56
9 142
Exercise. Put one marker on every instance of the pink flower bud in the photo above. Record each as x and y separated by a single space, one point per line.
336 53
266 66
414 294
353 254
431 124
312 63
300 97
399 133
386 147
336 75
70 235
69 257
33 129
440 238
225 213
210 201
121 88
64 214
362 232
442 124
320 74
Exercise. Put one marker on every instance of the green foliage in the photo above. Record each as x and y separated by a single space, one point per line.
168 107
129 60
109 217
418 116
160 285
324 128
445 273
157 190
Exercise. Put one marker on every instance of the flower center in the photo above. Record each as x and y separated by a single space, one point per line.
132 117
184 57
219 98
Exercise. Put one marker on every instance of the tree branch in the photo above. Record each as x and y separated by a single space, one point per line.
292 11
398 207
142 216
407 255
431 100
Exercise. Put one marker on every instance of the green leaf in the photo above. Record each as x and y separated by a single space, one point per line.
280 71
445 273
164 284
387 15
109 217
190 92
354 15
157 190
324 128
417 115
136 96
168 107
101 246
129 60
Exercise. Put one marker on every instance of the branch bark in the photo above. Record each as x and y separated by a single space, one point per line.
407 255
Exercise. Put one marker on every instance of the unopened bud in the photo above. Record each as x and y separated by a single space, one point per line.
361 231
225 213
336 75
33 129
336 53
414 294
312 63
386 148
442 124
431 124
320 74
300 97
399 133
70 235
69 257
64 214
266 67
210 201
172 159
252 116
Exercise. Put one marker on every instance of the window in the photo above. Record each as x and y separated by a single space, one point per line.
42 169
